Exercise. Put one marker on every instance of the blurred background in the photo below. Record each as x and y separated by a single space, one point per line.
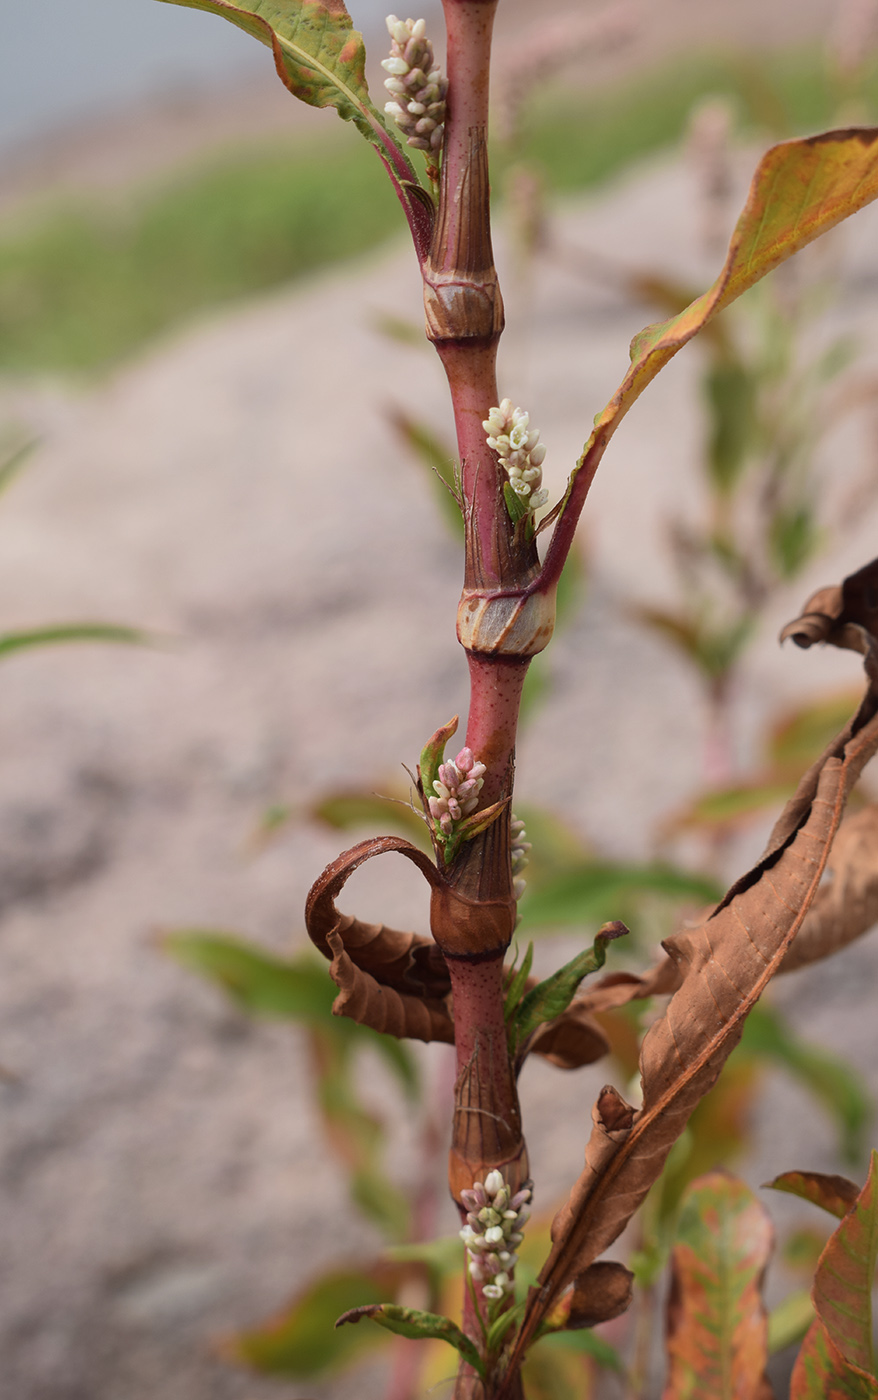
219 426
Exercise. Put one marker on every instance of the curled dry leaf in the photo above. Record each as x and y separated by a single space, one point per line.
846 906
603 1292
394 982
724 965
572 1040
398 983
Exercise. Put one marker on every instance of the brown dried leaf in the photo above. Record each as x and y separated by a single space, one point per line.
394 982
600 1294
619 988
846 906
398 983
572 1040
365 1000
724 964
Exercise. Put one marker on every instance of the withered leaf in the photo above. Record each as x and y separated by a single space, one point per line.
846 906
365 1000
724 965
603 1292
394 982
573 1040
398 983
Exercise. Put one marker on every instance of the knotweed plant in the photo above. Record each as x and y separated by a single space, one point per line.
456 985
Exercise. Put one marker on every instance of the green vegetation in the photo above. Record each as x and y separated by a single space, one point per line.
82 286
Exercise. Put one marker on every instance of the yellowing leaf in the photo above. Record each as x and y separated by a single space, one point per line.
800 190
837 1359
717 1323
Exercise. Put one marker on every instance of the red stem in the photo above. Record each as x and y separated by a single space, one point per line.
472 379
495 698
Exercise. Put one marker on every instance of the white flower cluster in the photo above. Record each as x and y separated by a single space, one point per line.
457 791
416 85
493 1232
518 850
520 451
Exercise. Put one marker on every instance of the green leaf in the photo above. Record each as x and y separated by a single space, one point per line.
320 58
410 1322
297 989
802 734
717 1339
515 505
501 1325
301 1341
731 399
727 807
12 465
355 808
587 1342
262 984
599 891
835 1084
442 1257
72 632
548 999
439 459
793 537
845 1277
790 1320
517 983
433 753
837 1358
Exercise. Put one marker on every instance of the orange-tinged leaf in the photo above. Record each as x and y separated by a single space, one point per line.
820 1372
800 190
837 1358
833 1193
844 1278
717 1323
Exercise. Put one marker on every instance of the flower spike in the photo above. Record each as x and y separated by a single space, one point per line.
521 453
416 86
493 1232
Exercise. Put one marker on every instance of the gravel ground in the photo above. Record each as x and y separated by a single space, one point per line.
238 491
